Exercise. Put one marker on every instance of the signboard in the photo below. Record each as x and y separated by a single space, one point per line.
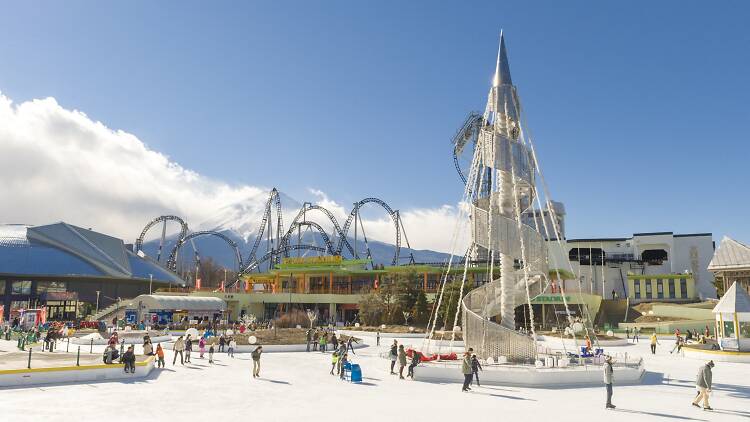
314 260
550 299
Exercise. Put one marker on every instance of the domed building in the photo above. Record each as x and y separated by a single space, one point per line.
69 270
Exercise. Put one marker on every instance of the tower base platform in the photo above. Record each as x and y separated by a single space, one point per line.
531 376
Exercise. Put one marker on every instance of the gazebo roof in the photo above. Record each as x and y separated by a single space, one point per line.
730 254
735 300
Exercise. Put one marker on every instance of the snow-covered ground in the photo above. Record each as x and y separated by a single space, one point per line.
297 385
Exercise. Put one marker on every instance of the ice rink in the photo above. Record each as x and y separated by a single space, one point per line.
294 386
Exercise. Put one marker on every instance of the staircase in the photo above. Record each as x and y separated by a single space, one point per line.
612 312
110 310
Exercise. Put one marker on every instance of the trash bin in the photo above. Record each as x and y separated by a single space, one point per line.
356 372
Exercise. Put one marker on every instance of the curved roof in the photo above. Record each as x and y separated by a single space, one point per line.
64 250
183 303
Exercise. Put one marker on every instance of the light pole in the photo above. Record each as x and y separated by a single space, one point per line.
97 302
150 282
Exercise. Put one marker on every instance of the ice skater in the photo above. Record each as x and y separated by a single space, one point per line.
232 345
342 365
128 358
349 345
256 361
394 355
654 342
475 368
202 346
416 357
703 384
211 354
188 348
401 361
334 361
466 370
608 380
160 356
179 347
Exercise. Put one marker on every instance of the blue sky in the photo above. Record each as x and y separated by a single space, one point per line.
639 109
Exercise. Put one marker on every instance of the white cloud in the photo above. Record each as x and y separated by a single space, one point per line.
59 165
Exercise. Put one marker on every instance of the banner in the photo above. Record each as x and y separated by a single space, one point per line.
197 284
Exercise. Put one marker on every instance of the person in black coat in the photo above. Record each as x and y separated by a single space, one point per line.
475 367
128 358
416 357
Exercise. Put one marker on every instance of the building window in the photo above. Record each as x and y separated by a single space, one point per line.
637 288
728 328
745 329
683 288
649 289
660 288
21 287
671 289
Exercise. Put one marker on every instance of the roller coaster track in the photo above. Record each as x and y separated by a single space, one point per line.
355 213
273 199
279 241
297 224
176 250
162 219
469 131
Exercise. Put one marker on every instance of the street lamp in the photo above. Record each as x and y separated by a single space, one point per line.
150 282
97 302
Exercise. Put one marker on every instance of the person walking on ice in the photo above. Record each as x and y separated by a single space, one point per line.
608 380
179 347
256 361
466 370
401 361
703 383
654 342
394 355
232 345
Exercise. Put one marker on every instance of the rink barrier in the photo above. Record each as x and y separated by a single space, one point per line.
103 341
716 355
10 378
267 348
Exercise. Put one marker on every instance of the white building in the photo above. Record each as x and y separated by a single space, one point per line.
660 266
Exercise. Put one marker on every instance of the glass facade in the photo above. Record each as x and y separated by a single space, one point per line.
683 288
649 289
21 287
637 288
